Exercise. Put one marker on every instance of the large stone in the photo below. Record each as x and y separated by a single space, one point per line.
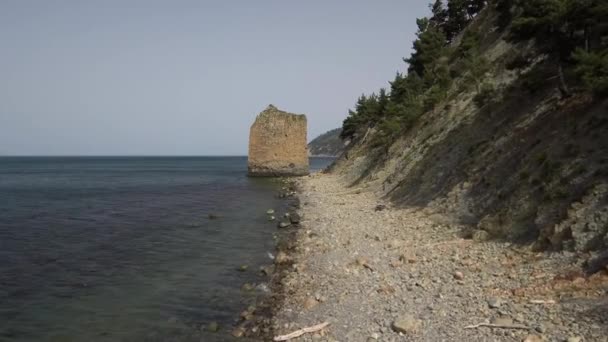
277 144
406 324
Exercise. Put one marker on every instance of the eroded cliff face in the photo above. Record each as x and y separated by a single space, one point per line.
277 144
529 166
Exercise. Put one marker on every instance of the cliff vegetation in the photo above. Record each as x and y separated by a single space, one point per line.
500 122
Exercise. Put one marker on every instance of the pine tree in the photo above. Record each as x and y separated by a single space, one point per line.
428 48
457 18
592 68
474 7
440 14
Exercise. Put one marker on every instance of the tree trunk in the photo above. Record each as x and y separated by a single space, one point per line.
563 86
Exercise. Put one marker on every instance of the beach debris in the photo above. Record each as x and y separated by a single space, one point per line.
363 262
301 332
270 255
542 301
498 325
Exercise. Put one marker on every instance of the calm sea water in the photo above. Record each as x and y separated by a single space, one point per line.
121 249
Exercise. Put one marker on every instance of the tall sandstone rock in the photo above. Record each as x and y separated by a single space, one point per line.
277 144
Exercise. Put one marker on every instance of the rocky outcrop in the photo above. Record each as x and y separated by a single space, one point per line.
277 144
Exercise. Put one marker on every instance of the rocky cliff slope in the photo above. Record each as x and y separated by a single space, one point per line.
327 144
506 149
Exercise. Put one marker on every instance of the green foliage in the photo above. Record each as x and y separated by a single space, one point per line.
428 48
429 74
592 68
457 18
505 15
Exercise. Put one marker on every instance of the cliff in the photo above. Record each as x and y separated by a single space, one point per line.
327 144
525 161
277 144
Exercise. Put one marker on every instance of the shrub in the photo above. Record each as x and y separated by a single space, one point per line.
486 95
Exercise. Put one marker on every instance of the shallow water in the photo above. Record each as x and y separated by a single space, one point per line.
122 249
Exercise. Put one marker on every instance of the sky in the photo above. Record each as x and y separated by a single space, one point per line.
179 77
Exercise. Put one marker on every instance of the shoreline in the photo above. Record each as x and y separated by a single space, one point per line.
380 273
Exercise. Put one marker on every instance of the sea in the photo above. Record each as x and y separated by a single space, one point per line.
124 249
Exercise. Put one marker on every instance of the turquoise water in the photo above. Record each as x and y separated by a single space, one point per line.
122 249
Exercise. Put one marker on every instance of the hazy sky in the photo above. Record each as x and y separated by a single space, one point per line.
127 77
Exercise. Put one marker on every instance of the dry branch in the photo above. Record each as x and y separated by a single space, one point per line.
301 332
541 301
499 326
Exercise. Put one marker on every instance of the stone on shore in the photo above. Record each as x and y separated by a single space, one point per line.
406 324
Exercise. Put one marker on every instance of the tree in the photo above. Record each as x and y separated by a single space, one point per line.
474 7
592 68
428 48
457 18
440 14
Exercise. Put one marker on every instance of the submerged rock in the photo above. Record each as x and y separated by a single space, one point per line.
284 224
213 327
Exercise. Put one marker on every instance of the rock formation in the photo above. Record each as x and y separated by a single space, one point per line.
277 144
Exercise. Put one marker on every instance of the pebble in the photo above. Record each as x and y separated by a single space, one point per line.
494 303
310 303
458 275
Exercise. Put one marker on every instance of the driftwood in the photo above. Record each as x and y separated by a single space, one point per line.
541 301
499 326
301 332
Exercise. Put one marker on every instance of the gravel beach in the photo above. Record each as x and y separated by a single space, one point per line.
378 273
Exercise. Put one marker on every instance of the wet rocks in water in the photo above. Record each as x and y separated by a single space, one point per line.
238 332
213 327
282 258
270 212
247 287
243 268
294 218
213 216
271 218
284 224
267 270
406 324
